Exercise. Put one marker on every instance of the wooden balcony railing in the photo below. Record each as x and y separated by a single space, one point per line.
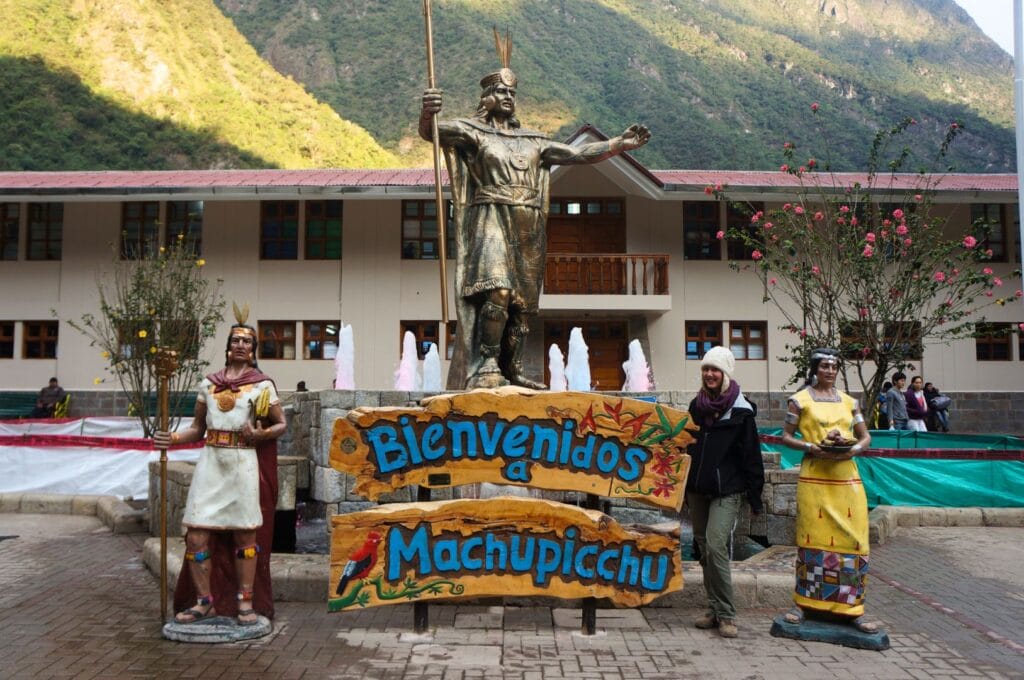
606 274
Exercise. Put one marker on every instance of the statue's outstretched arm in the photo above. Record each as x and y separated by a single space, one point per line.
634 137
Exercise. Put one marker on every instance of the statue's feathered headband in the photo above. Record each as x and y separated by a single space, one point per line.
241 316
504 75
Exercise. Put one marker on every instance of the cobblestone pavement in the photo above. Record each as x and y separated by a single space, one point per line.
76 602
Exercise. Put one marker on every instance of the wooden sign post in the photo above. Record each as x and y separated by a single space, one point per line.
568 441
427 551
476 548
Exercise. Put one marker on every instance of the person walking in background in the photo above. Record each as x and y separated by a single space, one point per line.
726 467
938 408
881 417
917 407
896 402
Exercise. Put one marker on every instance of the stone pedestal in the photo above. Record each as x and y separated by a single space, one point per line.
830 631
217 630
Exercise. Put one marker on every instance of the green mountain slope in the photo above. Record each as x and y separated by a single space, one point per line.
721 83
110 84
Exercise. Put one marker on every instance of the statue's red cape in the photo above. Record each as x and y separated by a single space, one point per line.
222 546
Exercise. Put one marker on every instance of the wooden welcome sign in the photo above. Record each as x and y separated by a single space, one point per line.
473 548
567 441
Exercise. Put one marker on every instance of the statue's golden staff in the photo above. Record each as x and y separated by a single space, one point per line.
442 215
166 364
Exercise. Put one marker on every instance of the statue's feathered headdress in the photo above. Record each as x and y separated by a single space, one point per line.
504 75
241 316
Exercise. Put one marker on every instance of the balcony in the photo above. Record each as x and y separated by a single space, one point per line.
606 282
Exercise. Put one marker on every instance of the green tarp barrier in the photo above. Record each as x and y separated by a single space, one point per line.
932 482
905 439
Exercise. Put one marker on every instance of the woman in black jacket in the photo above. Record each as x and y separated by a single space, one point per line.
726 467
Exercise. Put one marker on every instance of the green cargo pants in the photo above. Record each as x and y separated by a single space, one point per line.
714 520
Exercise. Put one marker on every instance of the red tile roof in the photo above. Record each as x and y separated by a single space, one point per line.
184 180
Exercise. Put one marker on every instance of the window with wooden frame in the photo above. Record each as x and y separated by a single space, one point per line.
10 214
39 340
45 231
277 339
700 225
992 342
279 232
451 332
323 230
6 339
425 333
185 219
997 217
748 339
739 219
702 336
584 207
907 336
140 229
855 339
419 230
320 339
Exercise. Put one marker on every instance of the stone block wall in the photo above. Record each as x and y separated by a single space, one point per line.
971 413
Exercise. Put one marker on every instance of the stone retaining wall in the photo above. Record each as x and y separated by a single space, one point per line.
971 412
312 422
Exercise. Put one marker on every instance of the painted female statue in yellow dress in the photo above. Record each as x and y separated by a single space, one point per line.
832 509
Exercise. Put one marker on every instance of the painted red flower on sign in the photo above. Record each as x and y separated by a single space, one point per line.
615 411
635 424
664 487
587 424
663 465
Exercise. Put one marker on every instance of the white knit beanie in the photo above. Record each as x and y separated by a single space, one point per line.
722 359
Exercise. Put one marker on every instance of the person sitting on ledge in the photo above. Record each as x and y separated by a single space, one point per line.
48 399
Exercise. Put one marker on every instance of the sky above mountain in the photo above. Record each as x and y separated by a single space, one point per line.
995 18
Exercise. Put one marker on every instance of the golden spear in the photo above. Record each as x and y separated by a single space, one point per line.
442 215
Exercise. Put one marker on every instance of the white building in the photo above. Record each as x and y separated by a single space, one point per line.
632 254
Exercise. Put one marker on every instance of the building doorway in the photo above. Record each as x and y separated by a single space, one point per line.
608 344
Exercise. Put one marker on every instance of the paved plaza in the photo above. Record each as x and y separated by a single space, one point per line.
77 602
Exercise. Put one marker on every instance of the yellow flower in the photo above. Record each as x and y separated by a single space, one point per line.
143 334
162 249
106 355
97 381
200 262
152 350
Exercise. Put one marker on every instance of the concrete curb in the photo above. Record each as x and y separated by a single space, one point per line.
885 520
120 517
304 578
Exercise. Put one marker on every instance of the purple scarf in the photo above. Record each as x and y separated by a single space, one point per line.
709 409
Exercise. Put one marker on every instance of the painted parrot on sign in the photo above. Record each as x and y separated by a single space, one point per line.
360 562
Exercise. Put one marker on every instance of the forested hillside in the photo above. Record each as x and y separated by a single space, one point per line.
119 84
722 83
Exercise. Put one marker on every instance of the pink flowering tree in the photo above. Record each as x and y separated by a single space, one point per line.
866 266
